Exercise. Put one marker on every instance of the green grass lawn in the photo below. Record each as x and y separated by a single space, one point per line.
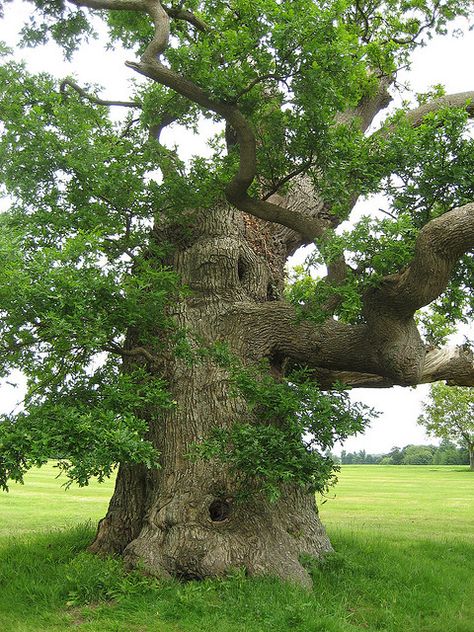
404 562
43 503
406 501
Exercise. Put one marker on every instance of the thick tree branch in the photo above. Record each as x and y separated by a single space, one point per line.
236 190
390 307
416 116
356 355
440 244
459 100
275 329
453 364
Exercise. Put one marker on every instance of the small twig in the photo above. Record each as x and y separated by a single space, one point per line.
131 353
128 127
260 79
381 210
365 18
94 99
306 165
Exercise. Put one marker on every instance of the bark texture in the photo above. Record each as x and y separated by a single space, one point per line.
185 520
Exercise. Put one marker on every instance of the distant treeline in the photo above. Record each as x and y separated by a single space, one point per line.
447 453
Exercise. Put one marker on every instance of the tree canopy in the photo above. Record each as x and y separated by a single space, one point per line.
296 83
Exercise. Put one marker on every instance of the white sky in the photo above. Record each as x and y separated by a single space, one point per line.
445 60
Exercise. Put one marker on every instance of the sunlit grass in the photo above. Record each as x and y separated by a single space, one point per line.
404 563
406 501
43 503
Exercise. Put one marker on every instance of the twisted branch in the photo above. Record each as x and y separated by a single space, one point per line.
440 244
237 189
90 97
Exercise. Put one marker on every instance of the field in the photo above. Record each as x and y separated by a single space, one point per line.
404 562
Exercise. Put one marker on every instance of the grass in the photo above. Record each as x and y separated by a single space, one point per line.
410 501
43 503
404 563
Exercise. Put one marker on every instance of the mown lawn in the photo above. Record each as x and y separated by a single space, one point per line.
422 502
404 538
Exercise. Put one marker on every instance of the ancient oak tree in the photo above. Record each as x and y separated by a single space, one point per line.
145 298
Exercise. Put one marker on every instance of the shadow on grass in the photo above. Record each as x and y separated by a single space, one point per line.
460 469
371 583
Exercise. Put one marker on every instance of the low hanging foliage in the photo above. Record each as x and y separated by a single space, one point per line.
89 424
298 425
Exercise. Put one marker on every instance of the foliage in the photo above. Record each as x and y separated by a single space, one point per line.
311 295
83 279
298 425
423 172
418 455
447 453
449 414
78 271
91 425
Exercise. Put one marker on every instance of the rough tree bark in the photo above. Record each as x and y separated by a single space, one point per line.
184 520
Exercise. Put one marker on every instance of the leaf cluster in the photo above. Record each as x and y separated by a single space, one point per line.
289 66
448 413
423 172
80 270
90 423
297 426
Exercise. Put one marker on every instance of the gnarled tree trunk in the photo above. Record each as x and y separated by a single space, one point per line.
184 520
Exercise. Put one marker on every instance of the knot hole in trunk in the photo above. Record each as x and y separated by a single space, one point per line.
242 269
219 510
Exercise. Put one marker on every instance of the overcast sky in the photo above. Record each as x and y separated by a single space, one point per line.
445 60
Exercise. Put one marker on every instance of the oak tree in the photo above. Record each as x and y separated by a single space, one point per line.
449 414
146 299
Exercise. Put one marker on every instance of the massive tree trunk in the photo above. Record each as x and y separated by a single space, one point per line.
185 519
